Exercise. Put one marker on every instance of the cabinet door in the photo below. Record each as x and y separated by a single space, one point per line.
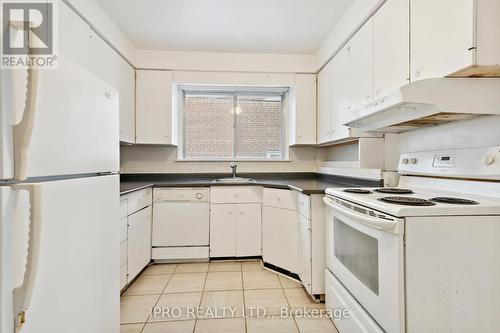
279 237
74 38
110 67
391 48
139 241
154 107
339 95
361 66
223 230
289 233
304 122
271 236
442 35
324 98
248 230
304 264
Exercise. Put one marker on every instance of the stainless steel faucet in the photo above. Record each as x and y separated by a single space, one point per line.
234 166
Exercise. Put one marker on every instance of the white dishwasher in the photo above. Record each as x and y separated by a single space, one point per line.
180 223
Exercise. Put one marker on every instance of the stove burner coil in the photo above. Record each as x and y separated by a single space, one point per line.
456 201
394 190
407 201
357 190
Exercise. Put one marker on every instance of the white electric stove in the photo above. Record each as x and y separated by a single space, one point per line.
422 257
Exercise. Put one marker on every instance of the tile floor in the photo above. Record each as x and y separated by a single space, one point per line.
218 297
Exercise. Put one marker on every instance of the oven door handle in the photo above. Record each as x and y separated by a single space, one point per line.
370 221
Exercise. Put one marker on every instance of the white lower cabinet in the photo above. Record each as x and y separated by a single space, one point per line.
235 230
312 243
304 264
248 230
135 234
279 237
139 241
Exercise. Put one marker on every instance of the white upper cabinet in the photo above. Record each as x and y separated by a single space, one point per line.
324 99
74 37
303 115
391 47
360 55
154 107
110 67
454 38
339 93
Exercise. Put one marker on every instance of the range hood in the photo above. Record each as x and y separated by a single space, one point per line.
428 102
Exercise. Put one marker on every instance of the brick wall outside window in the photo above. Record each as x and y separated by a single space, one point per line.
212 130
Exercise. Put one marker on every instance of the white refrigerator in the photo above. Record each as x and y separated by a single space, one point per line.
59 201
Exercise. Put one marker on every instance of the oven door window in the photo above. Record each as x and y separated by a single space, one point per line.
358 252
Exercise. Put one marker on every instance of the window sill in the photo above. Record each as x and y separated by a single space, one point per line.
232 160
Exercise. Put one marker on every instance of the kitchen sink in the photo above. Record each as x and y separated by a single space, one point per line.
234 180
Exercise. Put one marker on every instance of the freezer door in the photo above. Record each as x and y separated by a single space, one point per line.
69 126
77 265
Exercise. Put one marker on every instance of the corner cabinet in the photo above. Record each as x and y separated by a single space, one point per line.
280 225
76 38
154 121
303 115
324 100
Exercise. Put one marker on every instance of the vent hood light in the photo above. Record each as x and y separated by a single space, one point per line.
428 103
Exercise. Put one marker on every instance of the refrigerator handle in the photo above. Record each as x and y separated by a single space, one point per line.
22 294
24 130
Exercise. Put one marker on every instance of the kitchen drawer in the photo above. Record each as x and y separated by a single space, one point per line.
236 194
123 207
123 229
181 194
304 205
285 199
123 276
337 297
138 200
123 252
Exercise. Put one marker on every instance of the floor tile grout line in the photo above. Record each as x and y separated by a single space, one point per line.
157 301
244 300
201 299
291 313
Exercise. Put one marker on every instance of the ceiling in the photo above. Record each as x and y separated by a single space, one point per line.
233 26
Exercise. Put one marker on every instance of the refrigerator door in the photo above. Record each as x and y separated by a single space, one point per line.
69 124
72 268
12 101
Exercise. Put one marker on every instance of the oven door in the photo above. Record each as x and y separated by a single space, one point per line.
365 253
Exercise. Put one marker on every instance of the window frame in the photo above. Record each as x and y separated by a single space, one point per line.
233 91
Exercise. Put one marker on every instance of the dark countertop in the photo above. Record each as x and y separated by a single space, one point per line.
307 183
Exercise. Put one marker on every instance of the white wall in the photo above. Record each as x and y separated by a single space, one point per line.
150 159
481 132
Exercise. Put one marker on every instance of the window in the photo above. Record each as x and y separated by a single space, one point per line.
224 124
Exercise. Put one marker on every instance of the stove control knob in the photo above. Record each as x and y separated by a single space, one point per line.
404 161
413 160
489 159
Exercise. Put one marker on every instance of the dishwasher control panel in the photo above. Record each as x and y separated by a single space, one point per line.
201 194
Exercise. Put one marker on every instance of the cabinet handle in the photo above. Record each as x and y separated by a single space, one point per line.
230 213
241 213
